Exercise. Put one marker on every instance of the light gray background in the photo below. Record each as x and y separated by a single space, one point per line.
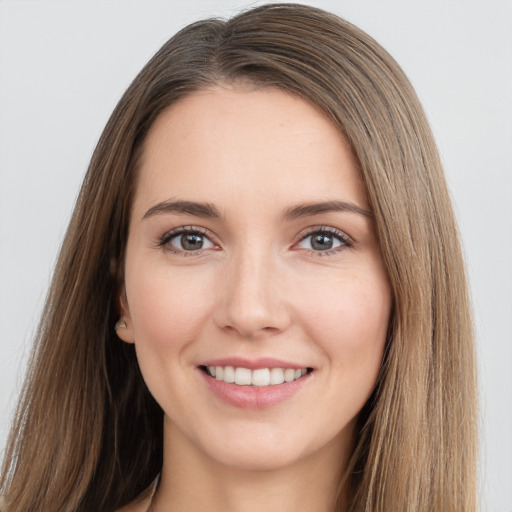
65 64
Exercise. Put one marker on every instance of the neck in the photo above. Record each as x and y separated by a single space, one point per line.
191 480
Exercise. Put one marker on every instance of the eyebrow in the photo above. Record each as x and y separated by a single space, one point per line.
209 210
307 210
188 207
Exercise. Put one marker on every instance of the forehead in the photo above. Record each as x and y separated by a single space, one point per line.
227 142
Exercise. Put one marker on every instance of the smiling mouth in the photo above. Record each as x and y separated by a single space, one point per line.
261 377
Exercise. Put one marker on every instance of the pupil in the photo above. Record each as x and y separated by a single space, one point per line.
322 242
191 242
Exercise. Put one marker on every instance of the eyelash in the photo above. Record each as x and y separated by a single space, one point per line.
346 241
164 242
185 230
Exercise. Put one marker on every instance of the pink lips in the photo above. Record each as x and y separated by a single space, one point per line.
251 364
253 397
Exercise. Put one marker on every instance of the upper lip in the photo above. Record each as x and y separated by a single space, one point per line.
252 364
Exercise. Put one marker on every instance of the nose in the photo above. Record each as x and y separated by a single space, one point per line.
252 302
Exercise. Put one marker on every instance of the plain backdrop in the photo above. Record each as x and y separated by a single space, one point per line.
64 65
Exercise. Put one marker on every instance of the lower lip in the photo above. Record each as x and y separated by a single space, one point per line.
254 397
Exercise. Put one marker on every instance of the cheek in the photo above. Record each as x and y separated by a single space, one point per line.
168 310
349 320
167 306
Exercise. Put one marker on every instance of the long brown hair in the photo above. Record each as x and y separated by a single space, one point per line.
88 435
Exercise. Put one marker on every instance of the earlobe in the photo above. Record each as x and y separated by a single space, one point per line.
123 326
123 331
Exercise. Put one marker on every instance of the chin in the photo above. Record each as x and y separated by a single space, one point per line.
259 459
265 449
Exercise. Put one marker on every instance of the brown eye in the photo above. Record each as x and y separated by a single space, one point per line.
186 241
191 242
324 240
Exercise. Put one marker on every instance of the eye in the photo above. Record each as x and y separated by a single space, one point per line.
324 240
184 240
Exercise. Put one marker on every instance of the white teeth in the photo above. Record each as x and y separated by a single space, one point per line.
276 376
243 376
229 374
289 374
260 377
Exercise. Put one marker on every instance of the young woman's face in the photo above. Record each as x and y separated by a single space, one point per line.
252 256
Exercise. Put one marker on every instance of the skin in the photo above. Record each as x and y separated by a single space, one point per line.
258 287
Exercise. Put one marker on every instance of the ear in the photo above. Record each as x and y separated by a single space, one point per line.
124 327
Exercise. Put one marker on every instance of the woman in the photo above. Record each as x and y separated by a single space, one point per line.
266 224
